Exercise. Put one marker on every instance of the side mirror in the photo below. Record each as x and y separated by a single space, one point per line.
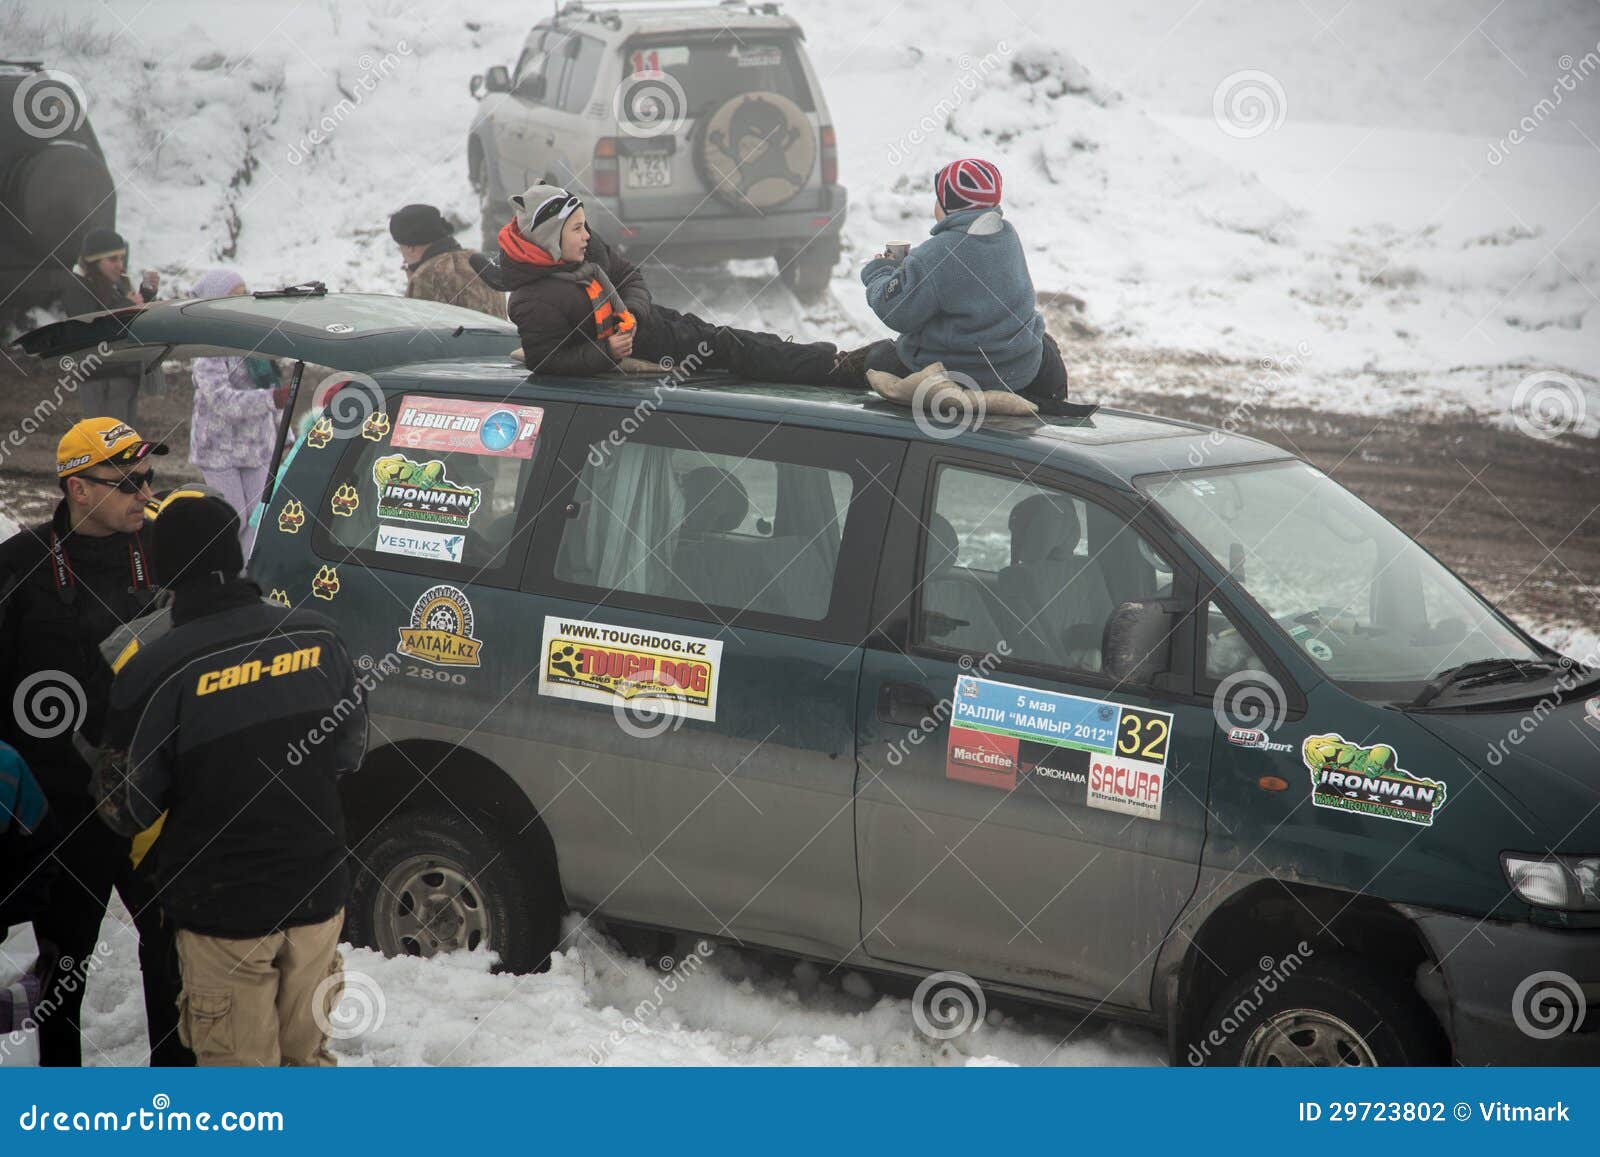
497 79
475 86
1137 644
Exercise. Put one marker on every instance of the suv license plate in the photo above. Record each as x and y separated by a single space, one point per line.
649 171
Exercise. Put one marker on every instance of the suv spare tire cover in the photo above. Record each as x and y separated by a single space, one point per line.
59 193
756 151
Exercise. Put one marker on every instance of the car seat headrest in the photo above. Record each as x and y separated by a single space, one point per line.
1043 527
714 500
943 546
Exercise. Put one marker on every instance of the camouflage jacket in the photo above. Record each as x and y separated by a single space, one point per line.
450 277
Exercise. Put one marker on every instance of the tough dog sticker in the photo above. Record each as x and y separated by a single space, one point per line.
421 492
1086 751
598 663
1368 781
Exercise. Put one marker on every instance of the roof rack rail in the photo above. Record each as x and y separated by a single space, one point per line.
303 289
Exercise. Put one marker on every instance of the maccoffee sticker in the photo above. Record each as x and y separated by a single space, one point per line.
1368 781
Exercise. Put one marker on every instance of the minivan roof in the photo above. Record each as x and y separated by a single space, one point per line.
1112 446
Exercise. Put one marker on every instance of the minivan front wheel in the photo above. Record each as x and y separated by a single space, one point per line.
1333 1014
431 881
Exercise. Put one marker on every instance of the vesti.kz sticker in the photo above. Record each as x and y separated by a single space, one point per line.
1116 754
1368 781
459 426
422 492
417 543
597 663
441 629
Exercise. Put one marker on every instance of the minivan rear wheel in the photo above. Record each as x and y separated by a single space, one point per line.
1333 1014
432 881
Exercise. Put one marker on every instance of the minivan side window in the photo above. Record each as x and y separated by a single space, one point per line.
429 480
1228 652
730 532
1040 569
580 76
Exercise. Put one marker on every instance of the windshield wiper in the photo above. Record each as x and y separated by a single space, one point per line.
1480 673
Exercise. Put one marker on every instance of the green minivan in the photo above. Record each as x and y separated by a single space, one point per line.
1122 714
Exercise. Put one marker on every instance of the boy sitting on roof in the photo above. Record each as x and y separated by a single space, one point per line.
964 297
581 309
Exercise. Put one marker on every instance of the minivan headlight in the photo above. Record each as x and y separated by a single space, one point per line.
1571 883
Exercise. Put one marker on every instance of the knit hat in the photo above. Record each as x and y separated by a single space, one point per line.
196 540
542 213
99 244
967 184
216 283
418 225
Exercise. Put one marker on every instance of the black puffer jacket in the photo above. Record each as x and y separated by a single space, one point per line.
556 318
55 634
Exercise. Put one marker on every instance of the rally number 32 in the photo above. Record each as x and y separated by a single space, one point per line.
1141 736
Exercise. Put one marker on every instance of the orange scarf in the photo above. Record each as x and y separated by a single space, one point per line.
607 318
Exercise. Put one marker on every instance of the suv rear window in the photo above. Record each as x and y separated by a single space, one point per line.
715 69
430 482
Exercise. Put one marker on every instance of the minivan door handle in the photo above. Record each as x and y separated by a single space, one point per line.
905 703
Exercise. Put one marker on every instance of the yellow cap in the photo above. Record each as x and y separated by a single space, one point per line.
95 440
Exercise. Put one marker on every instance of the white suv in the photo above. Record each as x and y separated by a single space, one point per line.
692 133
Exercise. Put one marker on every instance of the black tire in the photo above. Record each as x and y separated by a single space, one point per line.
808 271
429 881
1329 1013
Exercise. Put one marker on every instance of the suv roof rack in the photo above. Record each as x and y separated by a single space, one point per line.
302 289
610 12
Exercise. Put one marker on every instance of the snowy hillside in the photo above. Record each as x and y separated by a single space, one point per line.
1327 211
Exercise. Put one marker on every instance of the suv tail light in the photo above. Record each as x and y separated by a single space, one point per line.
830 157
605 167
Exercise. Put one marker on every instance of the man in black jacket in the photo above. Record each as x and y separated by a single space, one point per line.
64 586
581 309
237 724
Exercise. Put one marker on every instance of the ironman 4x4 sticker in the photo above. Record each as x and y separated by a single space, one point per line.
420 492
441 629
1368 781
1117 754
598 663
457 425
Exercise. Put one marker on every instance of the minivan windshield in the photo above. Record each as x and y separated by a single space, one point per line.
1352 590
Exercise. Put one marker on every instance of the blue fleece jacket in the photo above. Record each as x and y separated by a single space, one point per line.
963 297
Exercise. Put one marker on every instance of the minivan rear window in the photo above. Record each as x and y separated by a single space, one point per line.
713 70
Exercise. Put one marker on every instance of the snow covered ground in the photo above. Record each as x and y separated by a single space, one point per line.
1334 184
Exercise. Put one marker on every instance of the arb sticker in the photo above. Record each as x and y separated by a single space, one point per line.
460 426
1106 755
421 492
1368 781
441 629
598 663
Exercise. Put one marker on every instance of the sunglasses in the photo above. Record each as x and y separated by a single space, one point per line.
127 484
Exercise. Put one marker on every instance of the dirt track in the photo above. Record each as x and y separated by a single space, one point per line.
1519 518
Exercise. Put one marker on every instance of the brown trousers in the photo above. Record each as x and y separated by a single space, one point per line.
263 1002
